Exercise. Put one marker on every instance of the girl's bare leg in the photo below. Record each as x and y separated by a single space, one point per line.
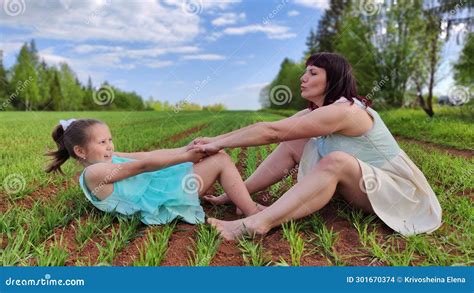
220 167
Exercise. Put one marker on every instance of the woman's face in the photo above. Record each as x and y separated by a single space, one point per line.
313 83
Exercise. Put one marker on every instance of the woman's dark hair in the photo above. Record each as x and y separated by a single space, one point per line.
76 134
340 81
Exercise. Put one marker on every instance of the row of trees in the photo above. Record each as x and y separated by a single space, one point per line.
182 105
394 48
31 84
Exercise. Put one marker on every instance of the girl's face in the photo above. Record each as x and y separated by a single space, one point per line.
313 83
100 146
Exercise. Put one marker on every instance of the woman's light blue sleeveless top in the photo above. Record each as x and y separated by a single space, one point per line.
159 196
376 147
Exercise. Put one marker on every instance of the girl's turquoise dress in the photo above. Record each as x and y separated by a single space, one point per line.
159 196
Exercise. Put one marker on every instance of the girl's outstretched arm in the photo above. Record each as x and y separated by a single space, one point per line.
145 155
107 173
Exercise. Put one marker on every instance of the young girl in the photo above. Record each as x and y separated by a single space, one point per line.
162 185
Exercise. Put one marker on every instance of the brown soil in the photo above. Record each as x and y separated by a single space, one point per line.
447 150
467 192
130 253
180 245
41 195
186 133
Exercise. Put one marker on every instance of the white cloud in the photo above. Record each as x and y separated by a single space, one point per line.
292 13
53 59
112 20
202 6
82 68
206 57
228 19
214 36
158 64
272 31
84 49
120 53
316 4
10 47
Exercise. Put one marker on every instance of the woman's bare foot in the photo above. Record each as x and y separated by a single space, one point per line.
217 200
232 230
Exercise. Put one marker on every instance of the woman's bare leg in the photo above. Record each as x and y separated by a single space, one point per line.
220 167
304 198
272 169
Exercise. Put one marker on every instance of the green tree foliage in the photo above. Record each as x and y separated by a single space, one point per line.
4 85
329 28
25 79
284 91
464 68
356 46
71 90
34 85
56 101
393 47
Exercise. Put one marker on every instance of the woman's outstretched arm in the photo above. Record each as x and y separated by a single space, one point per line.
332 118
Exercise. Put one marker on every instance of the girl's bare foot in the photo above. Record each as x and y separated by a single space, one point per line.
258 208
232 230
217 200
238 211
223 199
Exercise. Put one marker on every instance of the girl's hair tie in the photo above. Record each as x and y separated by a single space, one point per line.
65 123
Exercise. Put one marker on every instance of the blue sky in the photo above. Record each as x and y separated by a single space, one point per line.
221 51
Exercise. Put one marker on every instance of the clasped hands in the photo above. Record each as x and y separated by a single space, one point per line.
203 147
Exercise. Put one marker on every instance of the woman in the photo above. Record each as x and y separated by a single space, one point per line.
342 146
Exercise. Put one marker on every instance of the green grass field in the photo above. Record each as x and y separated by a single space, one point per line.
45 219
